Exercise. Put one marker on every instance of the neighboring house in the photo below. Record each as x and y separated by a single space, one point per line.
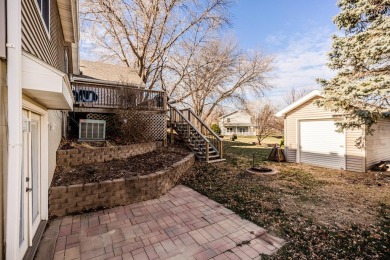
238 122
310 136
39 54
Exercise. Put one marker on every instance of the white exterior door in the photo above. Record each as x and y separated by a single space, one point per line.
321 144
30 187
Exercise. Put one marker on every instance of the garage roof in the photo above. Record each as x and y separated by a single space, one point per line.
304 99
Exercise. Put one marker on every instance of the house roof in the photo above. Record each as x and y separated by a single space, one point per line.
115 74
228 114
304 99
233 113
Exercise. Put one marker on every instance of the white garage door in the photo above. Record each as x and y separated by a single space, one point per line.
321 145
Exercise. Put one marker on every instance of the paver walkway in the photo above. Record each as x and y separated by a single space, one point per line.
182 224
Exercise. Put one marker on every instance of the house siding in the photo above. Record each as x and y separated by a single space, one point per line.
377 144
237 120
355 156
35 39
355 160
55 134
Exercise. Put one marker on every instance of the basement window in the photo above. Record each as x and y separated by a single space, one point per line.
44 9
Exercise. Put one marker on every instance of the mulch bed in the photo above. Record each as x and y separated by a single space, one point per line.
144 164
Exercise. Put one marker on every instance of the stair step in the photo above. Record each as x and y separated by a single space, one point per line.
210 156
216 161
196 149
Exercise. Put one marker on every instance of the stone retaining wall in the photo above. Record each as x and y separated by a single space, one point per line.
74 157
81 197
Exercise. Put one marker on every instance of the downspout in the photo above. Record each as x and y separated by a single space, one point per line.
14 68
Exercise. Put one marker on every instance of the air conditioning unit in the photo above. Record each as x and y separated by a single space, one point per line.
92 130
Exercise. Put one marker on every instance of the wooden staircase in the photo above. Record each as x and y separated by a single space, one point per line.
206 145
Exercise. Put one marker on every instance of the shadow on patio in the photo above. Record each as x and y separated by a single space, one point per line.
182 224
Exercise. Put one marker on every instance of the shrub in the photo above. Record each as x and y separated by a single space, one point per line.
216 129
233 137
282 142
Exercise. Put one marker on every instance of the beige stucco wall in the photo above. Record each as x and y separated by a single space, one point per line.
3 143
55 134
355 156
378 144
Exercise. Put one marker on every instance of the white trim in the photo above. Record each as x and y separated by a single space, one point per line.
31 106
14 68
3 29
311 95
46 84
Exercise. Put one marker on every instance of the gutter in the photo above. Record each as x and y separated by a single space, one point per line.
14 82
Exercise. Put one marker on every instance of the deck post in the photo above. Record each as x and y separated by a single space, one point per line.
221 149
207 151
171 122
165 100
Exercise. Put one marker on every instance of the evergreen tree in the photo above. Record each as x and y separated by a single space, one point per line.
361 57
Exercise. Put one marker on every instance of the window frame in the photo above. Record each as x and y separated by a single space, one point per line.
40 8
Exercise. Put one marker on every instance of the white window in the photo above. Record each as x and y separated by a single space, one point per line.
44 8
229 129
228 120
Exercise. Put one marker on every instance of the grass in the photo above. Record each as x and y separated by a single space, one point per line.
321 213
271 140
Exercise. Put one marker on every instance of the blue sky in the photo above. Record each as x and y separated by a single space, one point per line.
297 33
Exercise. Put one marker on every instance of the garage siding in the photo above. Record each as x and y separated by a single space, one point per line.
378 144
355 156
307 110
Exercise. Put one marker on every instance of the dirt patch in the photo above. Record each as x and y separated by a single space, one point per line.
144 164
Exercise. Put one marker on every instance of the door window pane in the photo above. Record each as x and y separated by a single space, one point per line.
35 169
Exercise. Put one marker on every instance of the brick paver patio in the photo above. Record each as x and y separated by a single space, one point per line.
182 224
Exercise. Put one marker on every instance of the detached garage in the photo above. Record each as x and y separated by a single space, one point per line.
310 136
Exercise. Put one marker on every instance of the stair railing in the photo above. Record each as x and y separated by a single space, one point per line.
214 139
175 117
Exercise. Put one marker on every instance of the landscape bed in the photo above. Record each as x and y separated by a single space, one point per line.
321 213
139 165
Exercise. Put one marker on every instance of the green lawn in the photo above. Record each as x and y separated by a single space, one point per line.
253 139
322 213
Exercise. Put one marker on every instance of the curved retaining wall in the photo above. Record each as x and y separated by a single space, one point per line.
81 197
79 156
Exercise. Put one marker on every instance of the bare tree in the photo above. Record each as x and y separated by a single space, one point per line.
294 94
267 123
203 77
141 33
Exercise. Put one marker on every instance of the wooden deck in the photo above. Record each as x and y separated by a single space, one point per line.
99 98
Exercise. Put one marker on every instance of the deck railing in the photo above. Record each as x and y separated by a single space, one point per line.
177 117
93 95
214 139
